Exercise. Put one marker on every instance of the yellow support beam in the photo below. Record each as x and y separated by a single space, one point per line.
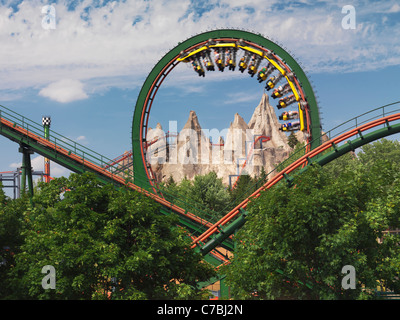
259 53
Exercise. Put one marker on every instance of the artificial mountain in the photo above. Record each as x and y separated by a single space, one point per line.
191 152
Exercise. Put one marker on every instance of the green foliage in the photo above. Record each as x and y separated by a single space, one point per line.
382 158
297 240
11 239
104 243
170 182
373 153
292 140
245 185
3 197
206 192
298 151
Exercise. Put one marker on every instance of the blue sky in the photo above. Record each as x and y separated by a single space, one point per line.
87 72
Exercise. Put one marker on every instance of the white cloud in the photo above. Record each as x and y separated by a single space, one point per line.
15 165
81 138
395 8
37 162
66 90
117 44
9 96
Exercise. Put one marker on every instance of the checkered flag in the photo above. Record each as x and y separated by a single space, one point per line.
46 121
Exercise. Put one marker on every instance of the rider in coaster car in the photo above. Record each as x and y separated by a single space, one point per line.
219 62
262 75
281 104
229 60
270 83
242 64
198 69
284 102
290 126
252 67
277 92
231 65
289 115
209 65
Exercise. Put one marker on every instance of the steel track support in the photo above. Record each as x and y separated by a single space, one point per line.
26 169
224 289
224 234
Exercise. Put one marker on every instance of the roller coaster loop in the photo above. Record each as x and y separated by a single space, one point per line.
207 233
229 42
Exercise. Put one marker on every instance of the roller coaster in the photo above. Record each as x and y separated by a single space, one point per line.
259 139
231 49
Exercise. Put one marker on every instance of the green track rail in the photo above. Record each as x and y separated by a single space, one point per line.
224 234
34 142
222 238
321 161
151 85
79 157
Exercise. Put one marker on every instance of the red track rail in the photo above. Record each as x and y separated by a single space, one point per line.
263 139
110 175
128 154
296 164
102 171
163 74
118 159
213 228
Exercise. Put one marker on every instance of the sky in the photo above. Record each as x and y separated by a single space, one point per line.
86 67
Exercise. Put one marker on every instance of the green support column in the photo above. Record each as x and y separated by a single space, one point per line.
23 178
29 172
26 170
224 289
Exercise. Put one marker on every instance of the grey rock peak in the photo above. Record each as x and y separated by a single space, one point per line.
227 157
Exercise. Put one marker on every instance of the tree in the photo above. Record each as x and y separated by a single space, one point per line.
296 153
292 140
171 182
244 187
2 195
372 153
205 192
209 190
382 160
11 238
297 240
263 174
104 243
